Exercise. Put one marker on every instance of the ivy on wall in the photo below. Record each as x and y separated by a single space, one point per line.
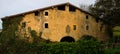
10 27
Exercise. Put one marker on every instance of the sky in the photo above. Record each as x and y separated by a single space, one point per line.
11 7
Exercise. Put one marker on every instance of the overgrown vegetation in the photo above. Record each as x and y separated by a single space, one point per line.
22 47
79 47
37 39
9 28
109 12
115 50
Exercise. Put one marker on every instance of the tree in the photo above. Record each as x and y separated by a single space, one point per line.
108 10
116 34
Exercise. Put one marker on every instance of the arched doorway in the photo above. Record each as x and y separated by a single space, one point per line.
67 39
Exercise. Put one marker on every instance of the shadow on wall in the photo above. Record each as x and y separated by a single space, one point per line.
88 37
67 39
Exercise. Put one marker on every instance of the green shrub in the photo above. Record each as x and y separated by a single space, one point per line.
22 47
115 50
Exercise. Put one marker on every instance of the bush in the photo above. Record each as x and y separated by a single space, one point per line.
81 47
115 50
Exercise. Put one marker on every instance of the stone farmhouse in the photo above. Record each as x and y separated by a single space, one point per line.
58 23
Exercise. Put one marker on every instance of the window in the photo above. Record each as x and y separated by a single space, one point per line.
36 13
87 17
23 24
61 7
87 27
71 8
74 27
101 27
97 20
46 13
46 25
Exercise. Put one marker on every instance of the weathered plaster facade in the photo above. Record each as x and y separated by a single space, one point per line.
62 23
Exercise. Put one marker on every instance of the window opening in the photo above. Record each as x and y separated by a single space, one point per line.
101 27
61 7
46 13
87 27
46 25
71 8
74 27
97 20
36 13
87 17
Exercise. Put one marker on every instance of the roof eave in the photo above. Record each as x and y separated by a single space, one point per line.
46 8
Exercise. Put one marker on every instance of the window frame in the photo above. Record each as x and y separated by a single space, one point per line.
74 27
46 13
46 25
87 27
61 7
72 9
87 16
36 13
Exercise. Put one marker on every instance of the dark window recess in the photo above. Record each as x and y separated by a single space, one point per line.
87 16
74 27
23 24
46 13
61 7
36 13
87 27
97 20
71 8
101 27
46 25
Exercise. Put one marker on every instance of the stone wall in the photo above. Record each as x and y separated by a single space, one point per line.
62 23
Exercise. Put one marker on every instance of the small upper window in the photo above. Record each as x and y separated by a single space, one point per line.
71 8
46 25
46 13
74 27
61 7
36 13
87 27
87 16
